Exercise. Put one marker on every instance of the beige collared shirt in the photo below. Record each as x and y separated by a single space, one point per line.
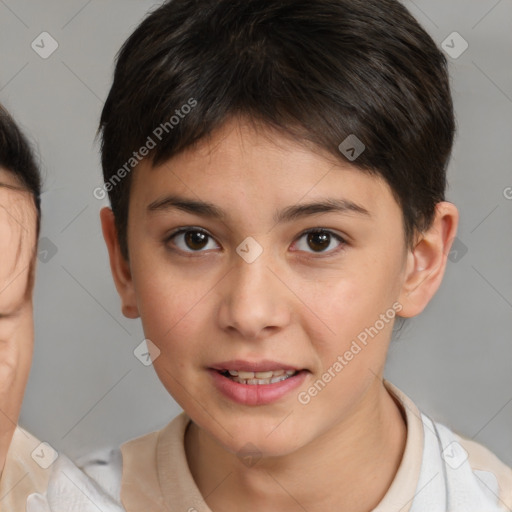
156 476
439 472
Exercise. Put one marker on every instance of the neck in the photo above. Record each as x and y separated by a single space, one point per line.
349 468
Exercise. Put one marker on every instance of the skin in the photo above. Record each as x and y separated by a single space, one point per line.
296 303
17 267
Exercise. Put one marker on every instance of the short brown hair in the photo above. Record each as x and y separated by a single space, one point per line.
319 70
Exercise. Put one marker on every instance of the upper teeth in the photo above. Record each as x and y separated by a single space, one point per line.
259 375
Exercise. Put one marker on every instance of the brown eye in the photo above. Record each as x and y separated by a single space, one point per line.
195 240
190 240
319 240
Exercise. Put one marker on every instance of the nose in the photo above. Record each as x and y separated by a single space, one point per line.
254 301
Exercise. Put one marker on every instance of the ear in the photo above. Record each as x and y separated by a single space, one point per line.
119 266
426 263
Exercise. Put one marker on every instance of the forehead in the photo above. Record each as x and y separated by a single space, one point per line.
243 162
16 203
9 179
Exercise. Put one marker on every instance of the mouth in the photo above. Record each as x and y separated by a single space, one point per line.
258 378
256 383
259 382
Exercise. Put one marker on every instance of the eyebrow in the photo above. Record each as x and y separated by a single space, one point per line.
288 214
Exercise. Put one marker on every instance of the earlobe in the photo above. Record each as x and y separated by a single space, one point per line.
426 263
119 266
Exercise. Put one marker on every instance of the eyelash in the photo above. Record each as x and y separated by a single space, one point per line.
306 232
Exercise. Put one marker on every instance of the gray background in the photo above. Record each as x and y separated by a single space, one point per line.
87 389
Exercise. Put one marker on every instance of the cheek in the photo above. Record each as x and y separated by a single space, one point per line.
353 297
16 348
170 307
351 306
169 318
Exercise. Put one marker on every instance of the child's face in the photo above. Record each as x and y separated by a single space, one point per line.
301 303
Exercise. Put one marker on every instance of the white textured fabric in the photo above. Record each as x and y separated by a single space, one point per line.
447 481
71 489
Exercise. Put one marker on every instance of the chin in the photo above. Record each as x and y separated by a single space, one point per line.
263 438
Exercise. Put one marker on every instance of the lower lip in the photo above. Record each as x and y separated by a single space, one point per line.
256 394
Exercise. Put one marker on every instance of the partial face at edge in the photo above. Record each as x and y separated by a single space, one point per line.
18 221
302 302
18 225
